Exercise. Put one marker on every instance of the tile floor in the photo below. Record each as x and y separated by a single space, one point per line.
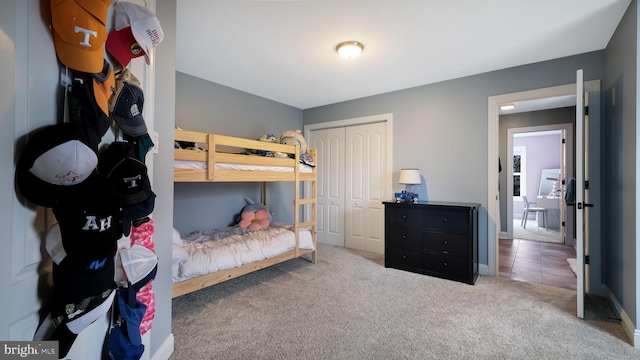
537 262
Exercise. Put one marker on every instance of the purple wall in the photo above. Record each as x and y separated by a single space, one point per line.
543 152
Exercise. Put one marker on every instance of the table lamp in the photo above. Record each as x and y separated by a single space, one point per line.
410 177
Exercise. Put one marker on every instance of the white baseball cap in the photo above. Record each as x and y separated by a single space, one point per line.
144 25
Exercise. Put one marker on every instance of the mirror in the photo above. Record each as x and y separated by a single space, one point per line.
549 178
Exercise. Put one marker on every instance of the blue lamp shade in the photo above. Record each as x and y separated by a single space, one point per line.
410 176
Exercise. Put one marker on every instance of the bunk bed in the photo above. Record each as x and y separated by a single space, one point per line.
220 158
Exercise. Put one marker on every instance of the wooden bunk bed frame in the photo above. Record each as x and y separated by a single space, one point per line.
228 149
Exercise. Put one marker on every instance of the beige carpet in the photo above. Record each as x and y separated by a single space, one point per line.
349 306
533 232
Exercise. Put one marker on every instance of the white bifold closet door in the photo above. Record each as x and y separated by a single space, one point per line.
352 163
330 144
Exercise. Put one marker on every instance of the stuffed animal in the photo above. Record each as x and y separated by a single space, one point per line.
254 217
294 137
266 138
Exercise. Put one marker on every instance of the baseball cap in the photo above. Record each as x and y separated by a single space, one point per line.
123 46
140 265
136 212
98 8
125 341
79 32
127 103
127 174
104 84
65 326
144 24
90 226
86 111
55 164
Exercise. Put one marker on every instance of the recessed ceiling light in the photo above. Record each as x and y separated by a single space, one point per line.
349 49
508 107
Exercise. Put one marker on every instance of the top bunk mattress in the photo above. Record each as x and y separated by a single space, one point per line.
200 165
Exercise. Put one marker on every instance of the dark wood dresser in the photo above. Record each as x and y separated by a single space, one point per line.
433 238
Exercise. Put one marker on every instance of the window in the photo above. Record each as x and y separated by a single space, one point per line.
519 171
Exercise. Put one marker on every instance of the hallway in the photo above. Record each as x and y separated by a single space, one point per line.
537 262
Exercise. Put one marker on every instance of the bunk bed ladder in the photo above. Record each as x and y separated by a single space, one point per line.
311 214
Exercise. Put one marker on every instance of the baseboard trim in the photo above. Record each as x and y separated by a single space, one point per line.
483 269
503 235
165 350
627 325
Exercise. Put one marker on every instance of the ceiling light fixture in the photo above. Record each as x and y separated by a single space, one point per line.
349 49
508 107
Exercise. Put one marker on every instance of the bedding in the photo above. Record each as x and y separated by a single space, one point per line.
207 251
185 164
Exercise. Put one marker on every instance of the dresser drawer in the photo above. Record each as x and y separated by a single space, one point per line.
405 217
446 243
448 220
452 267
403 237
403 258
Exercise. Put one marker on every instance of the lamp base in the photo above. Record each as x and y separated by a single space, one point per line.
407 196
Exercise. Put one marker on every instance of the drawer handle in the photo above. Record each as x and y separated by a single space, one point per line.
445 241
404 236
404 257
445 264
444 220
404 216
445 252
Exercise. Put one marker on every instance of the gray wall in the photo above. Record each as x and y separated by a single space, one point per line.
619 171
442 128
210 107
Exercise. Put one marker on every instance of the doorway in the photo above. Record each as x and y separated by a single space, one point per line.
538 159
493 203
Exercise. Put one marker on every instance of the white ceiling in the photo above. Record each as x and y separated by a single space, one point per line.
284 50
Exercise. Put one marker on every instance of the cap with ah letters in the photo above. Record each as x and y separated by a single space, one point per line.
127 103
90 227
144 24
55 164
79 32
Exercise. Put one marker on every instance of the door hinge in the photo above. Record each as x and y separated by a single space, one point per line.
586 184
586 110
586 259
564 141
563 225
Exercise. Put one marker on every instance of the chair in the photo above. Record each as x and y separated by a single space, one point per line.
528 209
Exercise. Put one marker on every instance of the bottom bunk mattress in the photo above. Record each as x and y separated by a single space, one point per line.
207 251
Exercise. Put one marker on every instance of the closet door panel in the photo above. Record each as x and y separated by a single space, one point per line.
330 145
365 162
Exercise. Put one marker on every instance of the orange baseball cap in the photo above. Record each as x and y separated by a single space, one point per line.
78 35
98 8
103 91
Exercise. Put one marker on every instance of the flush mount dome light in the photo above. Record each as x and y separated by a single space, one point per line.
349 49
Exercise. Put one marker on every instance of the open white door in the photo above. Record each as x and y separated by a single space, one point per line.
581 189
